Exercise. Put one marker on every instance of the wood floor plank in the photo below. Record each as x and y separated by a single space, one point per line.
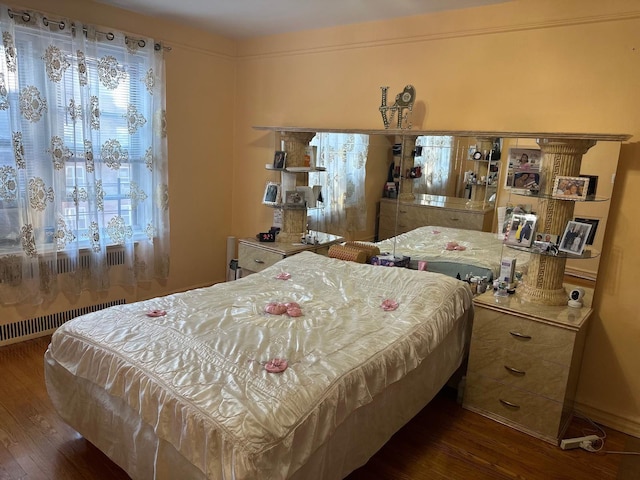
443 441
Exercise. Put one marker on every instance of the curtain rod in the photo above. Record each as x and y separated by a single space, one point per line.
26 17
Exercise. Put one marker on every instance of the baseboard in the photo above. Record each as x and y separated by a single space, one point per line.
581 274
624 425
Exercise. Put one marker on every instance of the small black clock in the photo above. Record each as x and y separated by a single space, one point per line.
477 155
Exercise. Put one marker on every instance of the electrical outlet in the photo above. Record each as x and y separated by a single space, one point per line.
569 443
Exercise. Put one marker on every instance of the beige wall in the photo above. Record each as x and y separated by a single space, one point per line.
538 65
528 65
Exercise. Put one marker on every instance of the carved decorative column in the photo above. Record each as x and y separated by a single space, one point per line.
294 221
406 163
543 281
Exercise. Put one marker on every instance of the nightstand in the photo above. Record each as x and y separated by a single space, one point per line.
524 363
254 256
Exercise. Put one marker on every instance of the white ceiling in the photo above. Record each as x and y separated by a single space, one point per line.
238 19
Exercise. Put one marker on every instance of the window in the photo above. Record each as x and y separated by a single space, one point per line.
344 155
82 144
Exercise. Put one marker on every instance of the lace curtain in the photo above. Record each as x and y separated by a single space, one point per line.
436 163
344 155
83 159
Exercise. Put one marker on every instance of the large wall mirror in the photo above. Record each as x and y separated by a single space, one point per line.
481 177
454 166
496 175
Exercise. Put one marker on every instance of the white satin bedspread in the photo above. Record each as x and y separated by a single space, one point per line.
482 249
196 375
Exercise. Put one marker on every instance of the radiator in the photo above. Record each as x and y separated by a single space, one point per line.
61 263
46 324
64 264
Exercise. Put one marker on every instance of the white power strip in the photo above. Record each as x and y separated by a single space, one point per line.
583 442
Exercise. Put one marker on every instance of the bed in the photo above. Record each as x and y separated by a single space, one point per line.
178 387
480 254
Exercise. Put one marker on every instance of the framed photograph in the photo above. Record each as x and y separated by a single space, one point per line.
593 185
524 159
570 188
526 180
279 159
521 229
294 199
575 237
272 195
508 212
594 227
546 238
524 166
545 242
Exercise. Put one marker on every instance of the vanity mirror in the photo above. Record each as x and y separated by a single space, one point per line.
462 177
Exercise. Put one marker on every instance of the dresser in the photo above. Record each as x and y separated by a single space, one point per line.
254 256
524 363
433 210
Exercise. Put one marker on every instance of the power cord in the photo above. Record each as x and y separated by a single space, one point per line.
588 445
599 432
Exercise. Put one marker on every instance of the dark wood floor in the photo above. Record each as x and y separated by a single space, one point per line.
443 441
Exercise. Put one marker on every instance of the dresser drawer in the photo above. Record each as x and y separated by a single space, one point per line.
256 259
494 331
387 220
532 413
384 233
520 370
388 214
411 217
456 219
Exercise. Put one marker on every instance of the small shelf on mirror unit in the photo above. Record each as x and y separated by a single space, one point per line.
296 169
284 206
535 194
588 253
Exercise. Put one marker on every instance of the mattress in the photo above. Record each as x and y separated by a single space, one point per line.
187 393
453 251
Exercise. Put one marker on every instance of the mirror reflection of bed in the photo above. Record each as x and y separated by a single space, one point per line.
466 183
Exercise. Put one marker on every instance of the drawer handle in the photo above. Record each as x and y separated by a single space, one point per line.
403 211
521 335
514 370
509 404
258 260
454 219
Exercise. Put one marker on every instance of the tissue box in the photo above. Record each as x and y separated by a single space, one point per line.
390 261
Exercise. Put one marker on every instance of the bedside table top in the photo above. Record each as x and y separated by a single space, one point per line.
287 249
562 315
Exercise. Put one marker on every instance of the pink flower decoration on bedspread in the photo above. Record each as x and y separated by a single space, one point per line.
436 232
156 313
293 309
276 365
290 308
283 276
275 308
455 246
389 305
